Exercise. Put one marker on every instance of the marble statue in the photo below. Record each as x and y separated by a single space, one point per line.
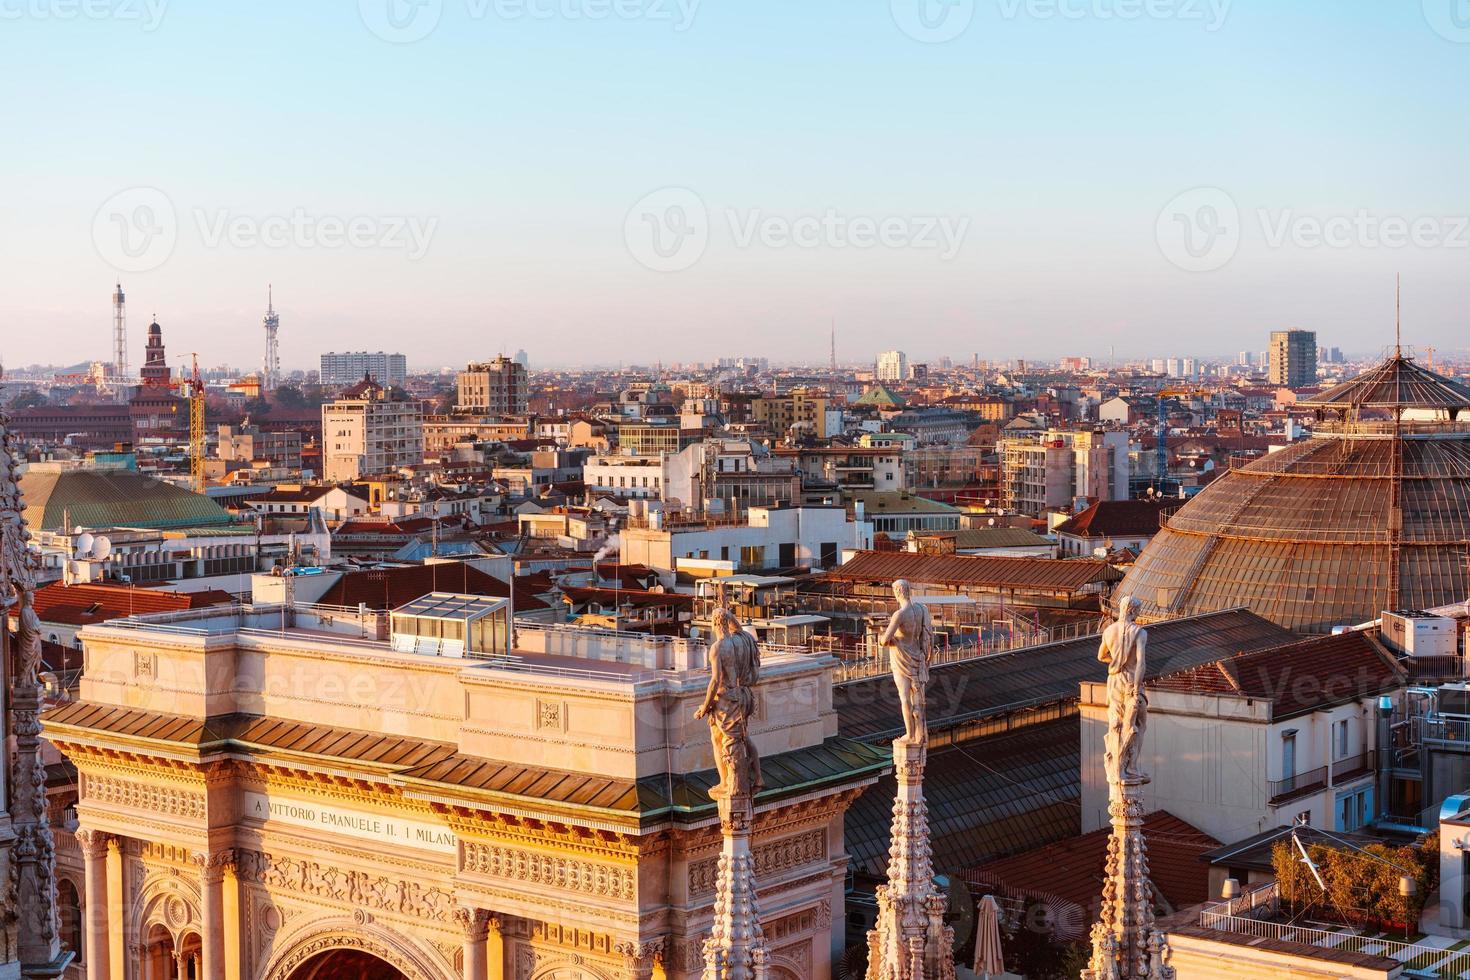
909 639
734 668
1123 649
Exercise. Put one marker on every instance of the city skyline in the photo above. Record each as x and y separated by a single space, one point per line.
1225 191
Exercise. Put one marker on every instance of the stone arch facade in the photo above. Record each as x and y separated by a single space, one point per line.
169 900
354 933
570 969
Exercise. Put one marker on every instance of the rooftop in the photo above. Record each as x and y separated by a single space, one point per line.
1048 574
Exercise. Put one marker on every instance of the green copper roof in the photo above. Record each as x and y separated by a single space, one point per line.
103 498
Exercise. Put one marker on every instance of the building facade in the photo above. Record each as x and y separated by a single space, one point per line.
893 365
804 408
1293 358
338 370
448 818
370 430
496 388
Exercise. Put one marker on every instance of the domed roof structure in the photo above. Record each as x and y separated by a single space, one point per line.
112 497
1370 513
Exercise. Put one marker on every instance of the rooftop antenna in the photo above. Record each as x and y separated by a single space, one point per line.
1398 336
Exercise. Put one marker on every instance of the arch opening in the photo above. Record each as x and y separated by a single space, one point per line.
346 964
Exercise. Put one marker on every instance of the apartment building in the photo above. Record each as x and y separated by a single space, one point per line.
1293 358
338 370
370 430
769 538
497 387
245 443
1272 737
1049 470
802 407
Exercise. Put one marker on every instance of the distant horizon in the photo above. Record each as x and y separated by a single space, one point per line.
682 179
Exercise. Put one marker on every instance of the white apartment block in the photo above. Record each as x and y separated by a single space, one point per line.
338 370
893 365
369 433
769 538
1050 470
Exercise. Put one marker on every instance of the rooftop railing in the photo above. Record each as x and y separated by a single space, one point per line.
1255 913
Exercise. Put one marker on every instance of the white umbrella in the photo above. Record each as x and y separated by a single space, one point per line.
988 961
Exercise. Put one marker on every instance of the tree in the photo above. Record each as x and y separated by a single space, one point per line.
27 398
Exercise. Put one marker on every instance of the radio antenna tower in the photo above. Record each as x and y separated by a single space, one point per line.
119 334
832 358
270 376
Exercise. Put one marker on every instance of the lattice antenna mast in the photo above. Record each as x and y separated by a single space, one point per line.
1398 320
119 334
271 374
832 358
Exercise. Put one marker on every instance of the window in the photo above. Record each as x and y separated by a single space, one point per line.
1341 745
69 905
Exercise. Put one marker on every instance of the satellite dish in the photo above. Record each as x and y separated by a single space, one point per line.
102 548
84 545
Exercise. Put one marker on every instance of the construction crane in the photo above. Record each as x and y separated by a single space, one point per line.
194 384
1161 449
196 426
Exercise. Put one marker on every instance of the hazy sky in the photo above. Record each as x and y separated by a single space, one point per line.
604 180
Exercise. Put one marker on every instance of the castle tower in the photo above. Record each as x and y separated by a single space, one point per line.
156 372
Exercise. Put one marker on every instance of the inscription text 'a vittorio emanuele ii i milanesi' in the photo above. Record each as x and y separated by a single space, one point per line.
352 823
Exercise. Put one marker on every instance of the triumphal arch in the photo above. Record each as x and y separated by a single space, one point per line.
298 793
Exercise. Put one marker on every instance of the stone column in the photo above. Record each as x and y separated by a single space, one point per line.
138 953
476 926
234 914
94 860
495 946
179 972
117 955
736 948
911 941
1125 944
211 965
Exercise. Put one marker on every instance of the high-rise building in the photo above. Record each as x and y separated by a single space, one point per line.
893 365
342 369
370 429
495 387
1293 358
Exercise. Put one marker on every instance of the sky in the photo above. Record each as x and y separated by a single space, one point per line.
605 181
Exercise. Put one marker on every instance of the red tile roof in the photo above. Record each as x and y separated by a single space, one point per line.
82 605
1072 870
1118 518
389 588
1063 575
1298 677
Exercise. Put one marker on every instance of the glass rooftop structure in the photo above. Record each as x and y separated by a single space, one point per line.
1370 513
446 624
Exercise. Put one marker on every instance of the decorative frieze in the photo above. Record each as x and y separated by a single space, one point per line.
771 858
152 797
551 871
360 889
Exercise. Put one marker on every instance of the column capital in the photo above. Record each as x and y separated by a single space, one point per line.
93 842
474 922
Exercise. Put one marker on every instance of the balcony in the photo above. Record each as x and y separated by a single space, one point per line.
1299 785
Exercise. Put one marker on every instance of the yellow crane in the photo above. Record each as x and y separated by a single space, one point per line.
194 383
